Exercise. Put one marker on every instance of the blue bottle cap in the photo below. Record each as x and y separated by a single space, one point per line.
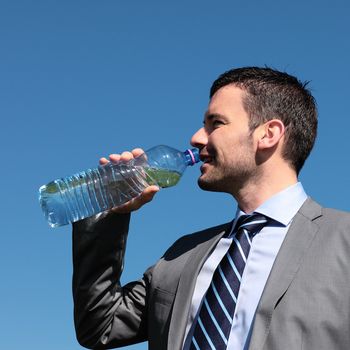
192 156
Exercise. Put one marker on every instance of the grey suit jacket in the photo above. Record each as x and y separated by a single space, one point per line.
305 303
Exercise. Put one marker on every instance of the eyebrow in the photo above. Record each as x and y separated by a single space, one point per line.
210 116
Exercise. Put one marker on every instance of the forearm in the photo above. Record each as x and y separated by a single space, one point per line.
105 313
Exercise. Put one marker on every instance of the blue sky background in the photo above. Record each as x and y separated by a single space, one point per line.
83 79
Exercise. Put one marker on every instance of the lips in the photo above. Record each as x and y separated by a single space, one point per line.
205 158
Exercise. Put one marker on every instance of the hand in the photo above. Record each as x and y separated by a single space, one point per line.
146 195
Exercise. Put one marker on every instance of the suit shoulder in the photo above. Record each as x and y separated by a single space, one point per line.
336 213
316 212
334 225
337 218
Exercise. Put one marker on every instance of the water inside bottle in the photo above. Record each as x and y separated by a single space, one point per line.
52 204
83 195
161 177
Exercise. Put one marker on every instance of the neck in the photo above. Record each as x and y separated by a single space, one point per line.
258 190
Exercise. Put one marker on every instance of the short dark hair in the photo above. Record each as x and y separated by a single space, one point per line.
271 94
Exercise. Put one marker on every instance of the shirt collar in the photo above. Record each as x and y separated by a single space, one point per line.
282 206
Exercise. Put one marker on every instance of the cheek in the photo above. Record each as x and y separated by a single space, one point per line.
224 140
218 136
216 142
222 146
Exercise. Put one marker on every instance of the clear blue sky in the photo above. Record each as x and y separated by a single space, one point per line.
80 79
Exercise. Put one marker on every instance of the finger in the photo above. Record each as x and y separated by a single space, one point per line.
148 193
137 202
103 161
136 152
115 158
126 156
145 197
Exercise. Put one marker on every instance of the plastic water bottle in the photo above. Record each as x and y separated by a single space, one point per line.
95 190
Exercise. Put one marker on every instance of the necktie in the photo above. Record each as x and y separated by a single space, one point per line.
216 313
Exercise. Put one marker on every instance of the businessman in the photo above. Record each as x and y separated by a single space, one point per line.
275 278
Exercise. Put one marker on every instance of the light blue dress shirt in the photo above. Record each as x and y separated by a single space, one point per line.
282 208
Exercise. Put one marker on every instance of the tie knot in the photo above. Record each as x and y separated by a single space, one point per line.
251 223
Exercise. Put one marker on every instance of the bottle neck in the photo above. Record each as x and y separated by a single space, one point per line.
192 156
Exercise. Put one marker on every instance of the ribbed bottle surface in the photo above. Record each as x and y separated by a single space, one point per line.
93 191
90 192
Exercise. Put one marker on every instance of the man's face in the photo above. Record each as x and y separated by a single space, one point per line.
227 146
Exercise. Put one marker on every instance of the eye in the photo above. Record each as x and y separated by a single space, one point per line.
217 123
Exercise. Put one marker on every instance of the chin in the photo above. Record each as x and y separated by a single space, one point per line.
209 185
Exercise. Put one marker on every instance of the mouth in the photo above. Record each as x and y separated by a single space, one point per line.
206 159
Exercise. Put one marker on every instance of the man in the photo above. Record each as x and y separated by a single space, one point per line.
290 288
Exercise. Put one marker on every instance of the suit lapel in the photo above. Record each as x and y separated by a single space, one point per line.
186 287
285 267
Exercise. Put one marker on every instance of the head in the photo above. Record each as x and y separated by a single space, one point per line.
271 94
255 116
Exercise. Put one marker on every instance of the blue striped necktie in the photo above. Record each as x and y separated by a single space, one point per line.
215 317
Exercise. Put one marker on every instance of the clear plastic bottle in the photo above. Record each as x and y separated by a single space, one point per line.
95 190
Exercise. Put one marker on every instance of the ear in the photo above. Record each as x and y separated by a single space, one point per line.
270 133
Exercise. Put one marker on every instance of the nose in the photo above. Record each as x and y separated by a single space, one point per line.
199 138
